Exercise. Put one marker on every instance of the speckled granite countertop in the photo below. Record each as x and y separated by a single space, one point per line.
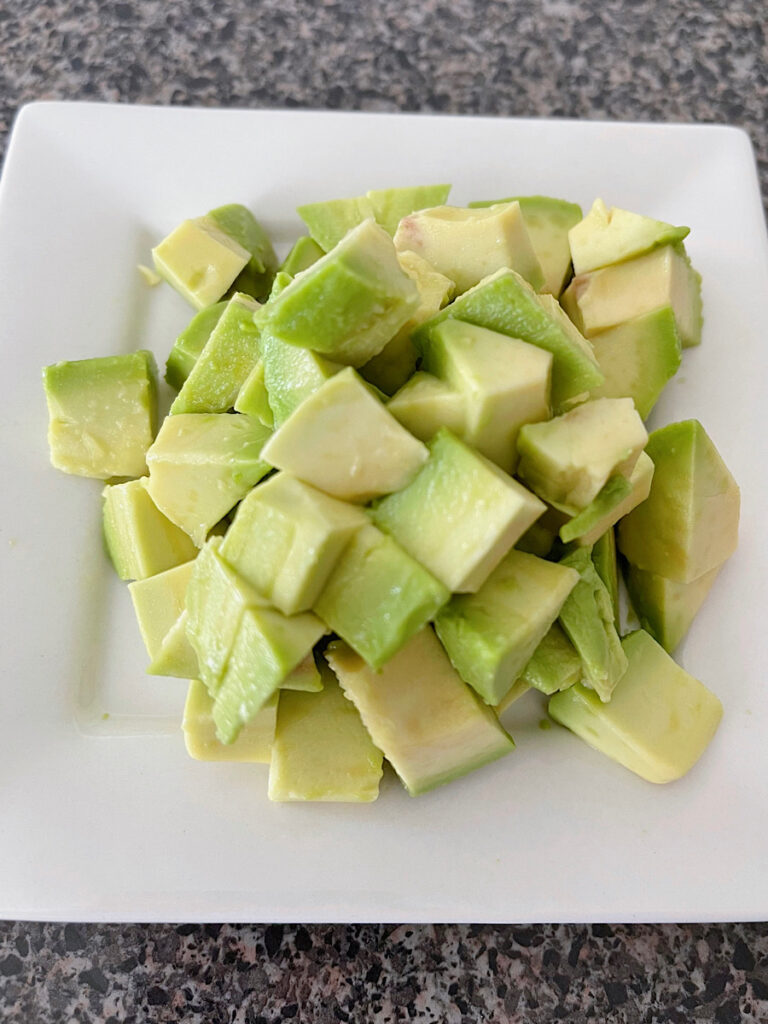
680 60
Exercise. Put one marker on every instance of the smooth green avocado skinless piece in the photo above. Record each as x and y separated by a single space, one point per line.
428 724
660 719
291 374
504 302
610 495
614 235
305 677
255 279
159 603
200 260
667 609
190 343
604 512
425 404
390 205
330 220
253 397
606 565
554 665
176 655
304 253
253 745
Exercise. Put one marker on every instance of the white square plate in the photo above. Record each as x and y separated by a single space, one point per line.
106 817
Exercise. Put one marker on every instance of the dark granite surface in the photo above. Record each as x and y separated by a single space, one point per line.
682 60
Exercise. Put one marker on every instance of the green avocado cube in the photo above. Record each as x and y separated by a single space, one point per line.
330 220
659 722
223 366
390 205
200 260
304 253
615 499
428 724
190 343
689 523
666 609
504 302
253 397
236 221
377 596
350 303
426 404
460 514
322 750
140 540
291 374
613 235
202 464
286 538
253 744
491 635
343 440
159 603
101 414
176 656
554 665
606 565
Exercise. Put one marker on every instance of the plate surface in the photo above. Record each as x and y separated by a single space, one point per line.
103 815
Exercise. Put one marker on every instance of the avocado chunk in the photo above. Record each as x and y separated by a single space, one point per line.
332 219
428 724
425 404
202 464
343 440
491 635
659 722
505 384
253 397
140 540
223 366
200 260
390 205
377 596
689 523
176 656
606 565
588 620
253 744
615 499
101 414
305 677
540 536
286 538
504 302
467 245
236 221
190 343
667 609
459 515
569 459
322 750
661 278
291 374
638 358
555 664
304 253
613 235
159 603
548 221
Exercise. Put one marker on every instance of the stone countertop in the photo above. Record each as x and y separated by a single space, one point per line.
681 60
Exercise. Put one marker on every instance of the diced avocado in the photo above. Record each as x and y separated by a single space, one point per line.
253 744
159 602
504 302
606 566
425 404
667 609
291 374
322 750
390 205
286 538
101 414
202 464
331 220
176 656
613 235
505 384
616 499
555 664
255 279
587 618
190 343
568 460
428 724
223 366
539 537
305 677
490 636
350 303
200 260
140 540
548 221
304 253
638 358
659 722
253 397
459 515
467 245
343 440
659 279
689 523
377 596
280 283
518 689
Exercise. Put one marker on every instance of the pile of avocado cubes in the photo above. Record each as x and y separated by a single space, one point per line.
382 506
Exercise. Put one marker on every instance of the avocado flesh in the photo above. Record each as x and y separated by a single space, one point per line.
426 404
638 358
660 719
291 374
554 665
223 366
253 745
606 565
614 235
377 596
460 514
159 603
322 750
615 500
176 656
236 221
305 677
467 245
504 302
390 205
428 724
140 540
190 343
667 609
587 618
316 444
253 397
304 253
491 635
200 260
689 523
101 414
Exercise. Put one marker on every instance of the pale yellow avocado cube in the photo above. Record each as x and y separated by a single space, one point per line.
159 603
199 260
425 404
254 743
639 480
659 720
